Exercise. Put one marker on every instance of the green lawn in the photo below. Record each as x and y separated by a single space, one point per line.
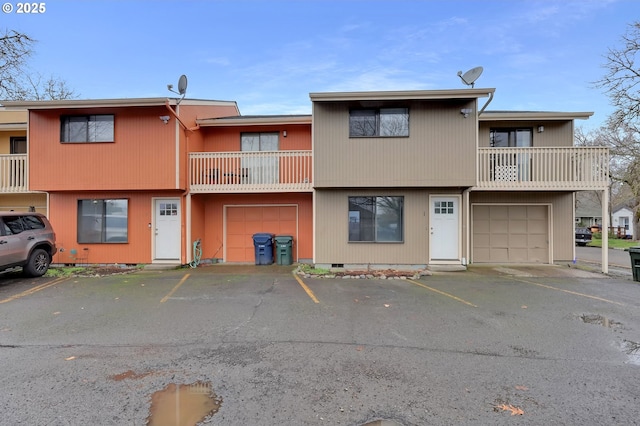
614 243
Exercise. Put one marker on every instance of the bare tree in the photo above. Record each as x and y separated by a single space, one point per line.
624 142
622 79
16 80
15 49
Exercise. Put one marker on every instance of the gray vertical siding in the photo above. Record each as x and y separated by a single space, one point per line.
440 149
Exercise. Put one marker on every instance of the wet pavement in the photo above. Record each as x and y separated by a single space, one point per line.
246 344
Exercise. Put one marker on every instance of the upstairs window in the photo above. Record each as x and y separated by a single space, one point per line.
86 128
383 122
18 144
511 138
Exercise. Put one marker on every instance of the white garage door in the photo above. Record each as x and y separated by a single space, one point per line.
510 234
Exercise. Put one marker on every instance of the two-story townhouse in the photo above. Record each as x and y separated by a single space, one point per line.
250 175
116 171
14 166
417 178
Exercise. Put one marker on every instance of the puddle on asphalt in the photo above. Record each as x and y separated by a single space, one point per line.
600 320
184 405
383 423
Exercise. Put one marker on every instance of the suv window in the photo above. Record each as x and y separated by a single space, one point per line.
13 225
32 222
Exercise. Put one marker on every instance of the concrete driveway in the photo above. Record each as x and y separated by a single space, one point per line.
493 345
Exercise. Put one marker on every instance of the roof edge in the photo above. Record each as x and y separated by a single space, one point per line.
254 120
533 115
116 102
401 95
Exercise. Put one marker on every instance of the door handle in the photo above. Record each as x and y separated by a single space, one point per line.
31 238
3 241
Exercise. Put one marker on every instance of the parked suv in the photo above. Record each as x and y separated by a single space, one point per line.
583 236
26 240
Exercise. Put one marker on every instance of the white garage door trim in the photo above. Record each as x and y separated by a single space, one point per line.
224 222
549 224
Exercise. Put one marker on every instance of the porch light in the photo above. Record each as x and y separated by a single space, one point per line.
540 129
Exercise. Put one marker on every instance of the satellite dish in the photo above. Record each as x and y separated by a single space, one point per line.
470 76
182 84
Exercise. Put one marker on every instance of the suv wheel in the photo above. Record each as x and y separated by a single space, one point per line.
38 263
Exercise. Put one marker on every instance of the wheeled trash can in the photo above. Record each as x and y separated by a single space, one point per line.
263 244
284 249
634 253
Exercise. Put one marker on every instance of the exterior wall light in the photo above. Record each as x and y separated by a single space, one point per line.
540 129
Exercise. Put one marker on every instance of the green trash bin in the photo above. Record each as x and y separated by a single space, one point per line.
634 253
284 249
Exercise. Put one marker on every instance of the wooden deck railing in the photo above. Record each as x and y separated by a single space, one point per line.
261 171
561 168
13 173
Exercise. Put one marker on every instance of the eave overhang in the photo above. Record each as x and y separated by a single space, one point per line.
401 95
240 121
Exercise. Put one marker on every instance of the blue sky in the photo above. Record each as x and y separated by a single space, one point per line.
540 55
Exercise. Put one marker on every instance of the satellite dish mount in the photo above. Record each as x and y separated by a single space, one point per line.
469 78
182 87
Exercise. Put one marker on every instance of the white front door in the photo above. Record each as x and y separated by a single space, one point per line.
444 228
167 229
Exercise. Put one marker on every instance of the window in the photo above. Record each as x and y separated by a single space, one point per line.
18 144
505 138
379 122
103 221
86 128
17 224
376 219
259 168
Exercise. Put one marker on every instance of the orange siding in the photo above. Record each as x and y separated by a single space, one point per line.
63 216
212 241
228 139
142 156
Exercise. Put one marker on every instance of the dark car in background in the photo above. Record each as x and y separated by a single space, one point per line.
583 236
27 240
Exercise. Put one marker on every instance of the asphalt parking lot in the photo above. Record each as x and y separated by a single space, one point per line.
492 345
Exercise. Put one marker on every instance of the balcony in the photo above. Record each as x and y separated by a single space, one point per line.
13 173
558 168
255 171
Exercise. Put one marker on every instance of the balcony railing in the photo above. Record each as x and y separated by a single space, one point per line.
558 168
255 171
13 173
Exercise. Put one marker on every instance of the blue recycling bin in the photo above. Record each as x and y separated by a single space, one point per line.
263 245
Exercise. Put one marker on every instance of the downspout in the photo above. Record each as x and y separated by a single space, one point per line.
488 102
191 129
186 195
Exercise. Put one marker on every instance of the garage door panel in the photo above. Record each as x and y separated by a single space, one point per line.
517 212
499 240
538 255
498 227
244 221
518 241
538 227
499 255
511 234
538 241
